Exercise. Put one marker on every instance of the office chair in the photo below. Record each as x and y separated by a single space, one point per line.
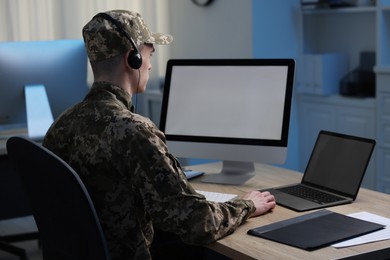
64 213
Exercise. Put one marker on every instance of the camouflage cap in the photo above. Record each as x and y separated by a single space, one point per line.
104 40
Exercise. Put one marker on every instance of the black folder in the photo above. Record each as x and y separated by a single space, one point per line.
315 230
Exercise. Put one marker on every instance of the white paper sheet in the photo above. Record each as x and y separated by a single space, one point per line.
379 235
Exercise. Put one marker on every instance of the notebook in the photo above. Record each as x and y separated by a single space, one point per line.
316 229
334 172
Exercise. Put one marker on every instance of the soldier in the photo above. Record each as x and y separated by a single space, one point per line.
137 186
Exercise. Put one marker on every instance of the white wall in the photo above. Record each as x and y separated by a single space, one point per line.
33 20
26 20
221 30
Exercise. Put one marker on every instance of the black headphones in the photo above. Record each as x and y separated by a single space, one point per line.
135 59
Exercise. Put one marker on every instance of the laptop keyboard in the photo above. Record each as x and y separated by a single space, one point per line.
310 194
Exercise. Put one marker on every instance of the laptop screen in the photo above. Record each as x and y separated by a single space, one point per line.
338 162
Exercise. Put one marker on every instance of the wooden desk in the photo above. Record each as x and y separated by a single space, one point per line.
239 245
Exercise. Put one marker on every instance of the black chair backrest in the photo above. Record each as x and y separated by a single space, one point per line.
64 213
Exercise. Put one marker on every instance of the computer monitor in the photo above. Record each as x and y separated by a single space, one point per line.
234 110
60 66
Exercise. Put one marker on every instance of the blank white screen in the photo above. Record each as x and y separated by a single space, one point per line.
227 101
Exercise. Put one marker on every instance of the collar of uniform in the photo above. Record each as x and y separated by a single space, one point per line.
119 93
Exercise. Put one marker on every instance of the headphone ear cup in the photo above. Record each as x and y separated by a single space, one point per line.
134 59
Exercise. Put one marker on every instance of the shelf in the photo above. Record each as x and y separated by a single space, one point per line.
339 100
383 3
341 10
382 69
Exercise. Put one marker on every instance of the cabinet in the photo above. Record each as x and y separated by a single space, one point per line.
350 31
338 114
383 95
383 130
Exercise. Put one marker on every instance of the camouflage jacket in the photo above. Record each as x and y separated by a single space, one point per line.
134 182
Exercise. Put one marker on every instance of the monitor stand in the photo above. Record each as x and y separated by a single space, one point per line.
232 173
39 115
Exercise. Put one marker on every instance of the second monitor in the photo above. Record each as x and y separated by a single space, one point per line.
234 110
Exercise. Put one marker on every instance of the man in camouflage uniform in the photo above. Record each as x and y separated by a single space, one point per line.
137 186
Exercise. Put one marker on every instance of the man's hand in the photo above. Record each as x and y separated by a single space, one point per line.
264 202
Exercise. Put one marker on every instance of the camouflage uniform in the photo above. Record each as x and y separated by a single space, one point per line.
134 182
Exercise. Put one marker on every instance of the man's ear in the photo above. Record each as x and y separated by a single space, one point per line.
126 58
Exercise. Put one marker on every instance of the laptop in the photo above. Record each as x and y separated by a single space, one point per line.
333 174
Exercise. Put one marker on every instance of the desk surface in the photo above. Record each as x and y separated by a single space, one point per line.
6 133
3 146
239 245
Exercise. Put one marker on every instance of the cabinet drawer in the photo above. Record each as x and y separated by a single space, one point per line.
383 156
383 83
384 106
384 186
384 133
383 168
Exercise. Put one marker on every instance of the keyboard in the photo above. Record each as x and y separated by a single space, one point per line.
310 194
217 196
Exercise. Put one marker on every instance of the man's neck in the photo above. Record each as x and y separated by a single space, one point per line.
116 80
